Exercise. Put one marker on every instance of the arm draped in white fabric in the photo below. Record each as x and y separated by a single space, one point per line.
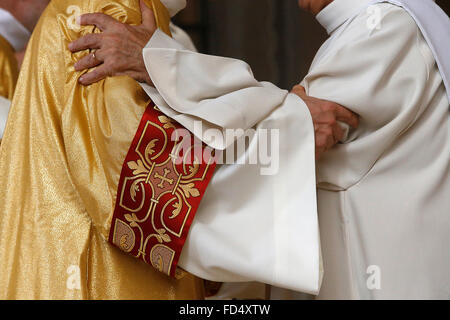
249 226
182 37
386 89
193 84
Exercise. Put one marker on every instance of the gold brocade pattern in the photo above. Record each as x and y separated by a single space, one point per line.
60 164
8 69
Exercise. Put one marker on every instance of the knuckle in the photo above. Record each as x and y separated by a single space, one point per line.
332 122
113 61
329 106
121 28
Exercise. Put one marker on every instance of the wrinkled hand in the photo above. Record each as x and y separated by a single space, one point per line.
325 115
118 48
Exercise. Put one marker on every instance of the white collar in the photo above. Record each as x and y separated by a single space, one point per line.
13 31
432 21
338 12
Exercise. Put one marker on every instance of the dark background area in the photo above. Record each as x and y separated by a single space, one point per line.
275 37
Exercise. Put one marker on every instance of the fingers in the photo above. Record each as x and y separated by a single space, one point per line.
324 136
319 153
325 116
345 115
324 141
90 41
94 76
148 17
100 20
299 88
338 133
90 61
341 113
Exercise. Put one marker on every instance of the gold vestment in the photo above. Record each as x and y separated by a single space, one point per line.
60 165
8 69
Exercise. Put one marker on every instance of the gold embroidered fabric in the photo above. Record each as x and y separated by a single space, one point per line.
8 69
60 164
162 183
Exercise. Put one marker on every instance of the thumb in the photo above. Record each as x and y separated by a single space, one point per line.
148 17
300 91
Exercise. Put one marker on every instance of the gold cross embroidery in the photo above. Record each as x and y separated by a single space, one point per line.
163 178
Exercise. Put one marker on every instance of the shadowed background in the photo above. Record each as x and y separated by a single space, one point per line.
275 37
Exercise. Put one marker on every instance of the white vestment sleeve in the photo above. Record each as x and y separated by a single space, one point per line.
192 84
256 222
4 110
254 227
182 37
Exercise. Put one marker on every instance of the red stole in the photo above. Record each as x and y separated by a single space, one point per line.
163 179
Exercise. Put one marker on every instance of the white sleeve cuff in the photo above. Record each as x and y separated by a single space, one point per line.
269 231
219 92
160 40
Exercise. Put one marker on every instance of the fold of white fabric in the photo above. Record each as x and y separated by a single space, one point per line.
182 37
221 92
174 6
4 110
